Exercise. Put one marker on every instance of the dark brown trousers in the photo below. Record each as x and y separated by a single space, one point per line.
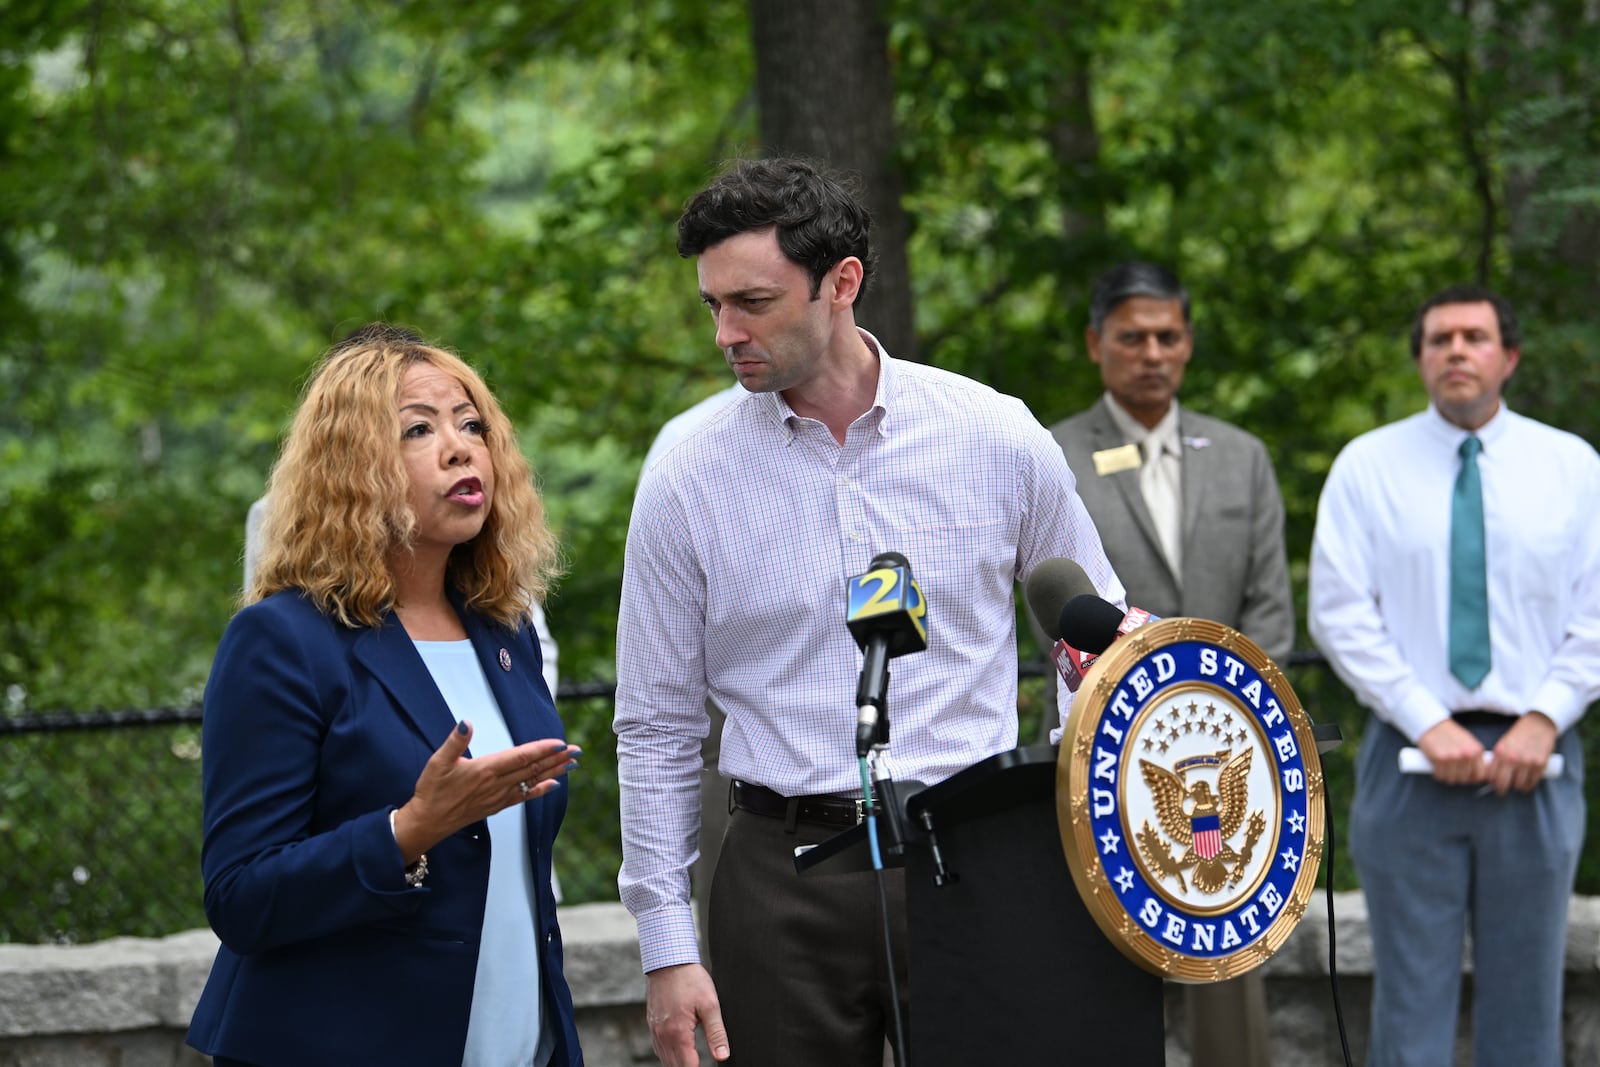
798 960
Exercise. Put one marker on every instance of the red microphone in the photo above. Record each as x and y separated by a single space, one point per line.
1071 664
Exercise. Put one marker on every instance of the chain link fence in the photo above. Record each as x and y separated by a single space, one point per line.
100 820
100 817
100 811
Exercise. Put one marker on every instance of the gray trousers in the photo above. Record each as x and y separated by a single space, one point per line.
1438 862
1227 1022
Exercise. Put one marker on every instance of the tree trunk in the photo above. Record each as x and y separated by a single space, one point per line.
1542 54
1539 62
1074 139
824 89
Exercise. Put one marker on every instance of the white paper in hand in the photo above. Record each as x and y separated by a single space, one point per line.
1412 761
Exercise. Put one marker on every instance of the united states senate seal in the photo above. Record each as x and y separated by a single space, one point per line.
1189 796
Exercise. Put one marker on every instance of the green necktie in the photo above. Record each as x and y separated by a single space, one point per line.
1469 573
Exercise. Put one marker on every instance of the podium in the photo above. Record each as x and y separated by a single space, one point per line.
1006 964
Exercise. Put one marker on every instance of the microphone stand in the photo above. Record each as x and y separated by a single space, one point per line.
878 794
881 798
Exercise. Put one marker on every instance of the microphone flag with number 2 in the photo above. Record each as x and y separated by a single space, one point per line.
887 615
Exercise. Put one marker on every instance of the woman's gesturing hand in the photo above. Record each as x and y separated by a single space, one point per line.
454 791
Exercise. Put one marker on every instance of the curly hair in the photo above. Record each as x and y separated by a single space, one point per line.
339 493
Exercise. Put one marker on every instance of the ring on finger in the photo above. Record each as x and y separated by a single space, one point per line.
525 787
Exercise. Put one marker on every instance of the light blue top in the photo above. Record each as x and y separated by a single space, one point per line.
504 1026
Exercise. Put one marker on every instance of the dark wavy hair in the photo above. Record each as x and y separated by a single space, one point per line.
819 219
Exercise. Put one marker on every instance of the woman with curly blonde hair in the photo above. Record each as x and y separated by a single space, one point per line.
381 892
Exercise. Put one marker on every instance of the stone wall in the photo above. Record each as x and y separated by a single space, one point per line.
126 1002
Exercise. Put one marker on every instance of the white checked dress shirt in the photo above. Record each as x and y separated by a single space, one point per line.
742 540
1380 570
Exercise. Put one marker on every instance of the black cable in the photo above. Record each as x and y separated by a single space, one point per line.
902 1052
869 796
1333 954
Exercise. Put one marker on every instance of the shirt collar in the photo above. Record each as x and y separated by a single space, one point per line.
1489 433
882 400
1134 432
888 382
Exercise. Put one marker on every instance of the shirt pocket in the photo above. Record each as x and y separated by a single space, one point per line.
959 567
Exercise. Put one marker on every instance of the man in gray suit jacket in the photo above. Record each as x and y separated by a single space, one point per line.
1189 512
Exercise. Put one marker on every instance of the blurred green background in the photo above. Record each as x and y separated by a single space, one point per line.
197 198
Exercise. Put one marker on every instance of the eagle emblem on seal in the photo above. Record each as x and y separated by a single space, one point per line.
1199 821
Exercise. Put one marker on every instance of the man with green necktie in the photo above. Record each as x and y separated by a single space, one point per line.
1455 587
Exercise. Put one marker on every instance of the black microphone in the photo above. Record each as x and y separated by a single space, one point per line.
1091 624
886 615
1050 587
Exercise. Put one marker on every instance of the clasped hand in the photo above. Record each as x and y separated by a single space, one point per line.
453 791
1458 758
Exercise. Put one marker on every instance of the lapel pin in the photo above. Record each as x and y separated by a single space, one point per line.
505 660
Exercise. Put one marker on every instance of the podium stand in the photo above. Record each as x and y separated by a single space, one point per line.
1006 964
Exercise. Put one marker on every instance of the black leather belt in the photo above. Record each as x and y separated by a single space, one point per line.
828 810
1477 717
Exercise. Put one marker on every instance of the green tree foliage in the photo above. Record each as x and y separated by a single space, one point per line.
208 199
197 198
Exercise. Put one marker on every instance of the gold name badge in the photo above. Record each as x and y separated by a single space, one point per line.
1111 460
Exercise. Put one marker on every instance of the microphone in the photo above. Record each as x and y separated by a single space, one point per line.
886 615
1050 586
1071 664
1062 598
1060 593
1087 626
1089 623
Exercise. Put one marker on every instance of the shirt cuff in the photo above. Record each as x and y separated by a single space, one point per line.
667 938
1064 699
1417 712
1558 703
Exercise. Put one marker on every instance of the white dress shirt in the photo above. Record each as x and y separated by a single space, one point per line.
1160 475
1380 581
685 422
742 541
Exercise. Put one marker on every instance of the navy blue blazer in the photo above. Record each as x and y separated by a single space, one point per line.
312 733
